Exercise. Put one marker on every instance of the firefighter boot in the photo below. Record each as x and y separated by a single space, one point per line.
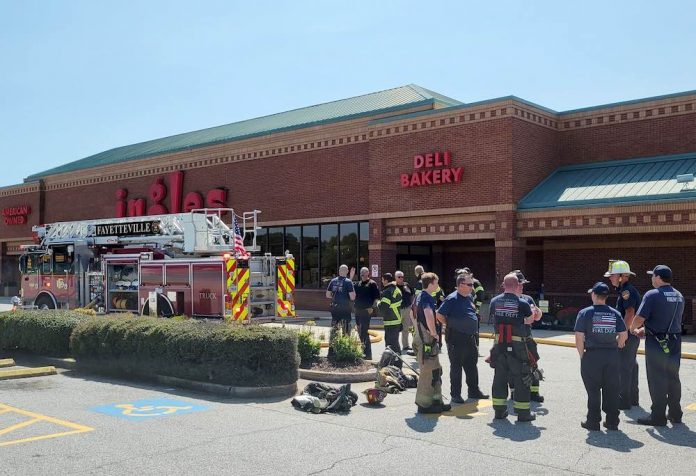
525 415
500 412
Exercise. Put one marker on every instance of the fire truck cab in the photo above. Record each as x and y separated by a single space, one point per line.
164 265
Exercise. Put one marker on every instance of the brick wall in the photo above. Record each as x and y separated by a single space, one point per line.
645 138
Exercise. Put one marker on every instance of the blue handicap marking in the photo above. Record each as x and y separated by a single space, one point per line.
148 409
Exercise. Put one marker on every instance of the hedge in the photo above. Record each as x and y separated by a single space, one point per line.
232 355
39 332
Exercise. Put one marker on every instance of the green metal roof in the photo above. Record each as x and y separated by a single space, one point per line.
648 179
381 102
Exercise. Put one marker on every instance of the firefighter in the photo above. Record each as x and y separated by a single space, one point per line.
661 313
439 297
406 301
390 309
341 291
429 389
477 297
531 343
510 357
619 274
599 333
418 270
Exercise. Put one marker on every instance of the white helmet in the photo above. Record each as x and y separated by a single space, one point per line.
618 267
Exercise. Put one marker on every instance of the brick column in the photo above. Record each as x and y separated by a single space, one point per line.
381 253
510 251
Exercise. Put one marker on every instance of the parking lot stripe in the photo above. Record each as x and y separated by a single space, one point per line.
17 426
75 428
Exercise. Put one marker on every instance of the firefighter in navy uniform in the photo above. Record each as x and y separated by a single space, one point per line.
619 274
389 308
661 313
509 355
599 333
531 343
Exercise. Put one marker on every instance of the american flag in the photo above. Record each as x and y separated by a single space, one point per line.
603 322
239 248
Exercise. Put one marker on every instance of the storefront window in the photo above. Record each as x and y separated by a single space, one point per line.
329 253
292 242
310 256
275 241
349 245
262 240
364 253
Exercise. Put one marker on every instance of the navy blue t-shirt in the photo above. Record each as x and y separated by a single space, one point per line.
659 307
423 301
530 301
508 308
628 297
600 324
341 287
460 313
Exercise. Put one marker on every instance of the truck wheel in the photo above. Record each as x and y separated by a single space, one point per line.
44 303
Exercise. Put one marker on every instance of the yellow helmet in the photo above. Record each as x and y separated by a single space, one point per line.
618 267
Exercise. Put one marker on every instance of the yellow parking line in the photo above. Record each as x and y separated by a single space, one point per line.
75 428
17 426
692 407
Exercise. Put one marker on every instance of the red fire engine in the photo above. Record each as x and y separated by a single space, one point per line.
165 265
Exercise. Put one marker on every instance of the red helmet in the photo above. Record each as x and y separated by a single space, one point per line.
374 395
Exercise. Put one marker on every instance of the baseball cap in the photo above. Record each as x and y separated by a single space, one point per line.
662 271
599 288
520 277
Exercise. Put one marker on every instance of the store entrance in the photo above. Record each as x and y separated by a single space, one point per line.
409 256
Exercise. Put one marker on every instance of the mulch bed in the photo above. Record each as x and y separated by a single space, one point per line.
323 364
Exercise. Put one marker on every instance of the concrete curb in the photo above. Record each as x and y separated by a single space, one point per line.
23 373
7 363
563 343
206 387
335 377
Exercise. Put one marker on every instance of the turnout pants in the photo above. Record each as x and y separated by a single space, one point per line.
663 377
407 326
391 338
599 369
429 389
510 367
628 393
463 354
362 322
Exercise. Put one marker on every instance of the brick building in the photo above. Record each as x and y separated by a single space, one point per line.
407 176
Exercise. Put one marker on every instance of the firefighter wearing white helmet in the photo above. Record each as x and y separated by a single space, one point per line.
619 273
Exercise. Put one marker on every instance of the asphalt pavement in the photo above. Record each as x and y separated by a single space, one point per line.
74 423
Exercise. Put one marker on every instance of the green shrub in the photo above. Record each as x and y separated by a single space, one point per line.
347 349
39 332
307 346
233 355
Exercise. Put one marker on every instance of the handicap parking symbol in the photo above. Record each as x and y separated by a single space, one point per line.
148 409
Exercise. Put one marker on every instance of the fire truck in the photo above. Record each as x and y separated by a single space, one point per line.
162 265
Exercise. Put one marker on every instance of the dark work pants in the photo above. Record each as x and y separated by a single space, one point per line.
599 369
391 338
509 368
362 321
628 393
463 354
663 377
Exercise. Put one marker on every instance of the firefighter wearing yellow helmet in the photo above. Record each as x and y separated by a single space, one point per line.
619 273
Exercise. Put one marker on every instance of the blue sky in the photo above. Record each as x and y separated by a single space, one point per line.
80 77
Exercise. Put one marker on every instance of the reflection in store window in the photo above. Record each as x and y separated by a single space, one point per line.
329 253
310 256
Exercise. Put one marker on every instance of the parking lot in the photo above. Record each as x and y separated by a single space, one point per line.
75 423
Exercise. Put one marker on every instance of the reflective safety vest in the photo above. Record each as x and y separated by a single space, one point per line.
478 294
390 305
